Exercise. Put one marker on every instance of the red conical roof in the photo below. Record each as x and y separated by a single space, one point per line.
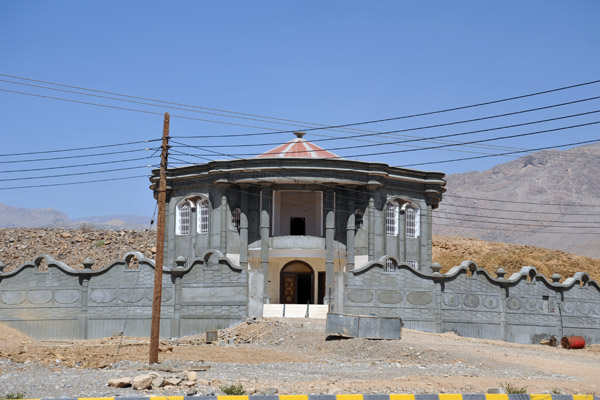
298 148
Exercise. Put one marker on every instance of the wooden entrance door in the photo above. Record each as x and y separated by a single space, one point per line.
296 281
290 289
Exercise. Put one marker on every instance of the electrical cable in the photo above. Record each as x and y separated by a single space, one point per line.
71 157
501 154
521 202
130 109
343 125
423 148
78 148
514 219
73 166
74 183
528 231
74 174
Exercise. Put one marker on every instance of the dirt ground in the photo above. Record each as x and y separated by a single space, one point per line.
305 360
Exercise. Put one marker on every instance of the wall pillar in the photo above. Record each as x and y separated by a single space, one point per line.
224 225
371 236
266 197
244 229
439 289
429 232
176 275
424 261
83 319
503 296
402 236
329 244
350 232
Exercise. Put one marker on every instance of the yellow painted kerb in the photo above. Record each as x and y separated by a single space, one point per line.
540 397
496 397
402 397
96 398
165 398
349 397
450 396
583 397
232 397
293 397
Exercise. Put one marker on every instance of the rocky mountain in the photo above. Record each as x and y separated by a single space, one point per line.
14 217
547 199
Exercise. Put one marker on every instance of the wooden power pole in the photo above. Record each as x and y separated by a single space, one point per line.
160 245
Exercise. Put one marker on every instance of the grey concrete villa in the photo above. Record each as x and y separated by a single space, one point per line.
300 214
296 224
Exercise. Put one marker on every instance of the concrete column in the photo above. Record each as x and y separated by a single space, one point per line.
266 195
83 321
224 225
429 230
402 236
424 261
438 305
329 244
350 232
193 237
371 236
503 296
244 229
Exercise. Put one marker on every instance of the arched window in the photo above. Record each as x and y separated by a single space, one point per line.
413 220
203 211
236 218
358 218
182 220
391 218
390 265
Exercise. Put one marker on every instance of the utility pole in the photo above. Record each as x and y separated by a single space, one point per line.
160 245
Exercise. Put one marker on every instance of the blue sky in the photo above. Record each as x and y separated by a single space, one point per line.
331 62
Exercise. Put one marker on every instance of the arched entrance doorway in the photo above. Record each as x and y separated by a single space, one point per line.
296 283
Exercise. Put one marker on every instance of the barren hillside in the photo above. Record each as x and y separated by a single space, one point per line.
72 246
548 199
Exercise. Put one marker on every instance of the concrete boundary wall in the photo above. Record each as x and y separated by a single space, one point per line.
47 299
359 397
467 300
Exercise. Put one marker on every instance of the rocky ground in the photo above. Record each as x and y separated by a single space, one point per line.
72 246
291 356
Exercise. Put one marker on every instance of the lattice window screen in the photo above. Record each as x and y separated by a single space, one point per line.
391 218
183 220
203 216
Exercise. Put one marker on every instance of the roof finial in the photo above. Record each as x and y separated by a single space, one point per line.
299 134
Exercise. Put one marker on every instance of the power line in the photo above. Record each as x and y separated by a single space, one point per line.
516 219
496 210
269 117
517 224
423 148
144 103
73 183
78 148
73 166
514 230
521 202
433 126
351 190
335 126
75 173
71 157
501 154
129 109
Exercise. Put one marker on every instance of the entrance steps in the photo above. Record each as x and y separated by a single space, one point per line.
316 311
